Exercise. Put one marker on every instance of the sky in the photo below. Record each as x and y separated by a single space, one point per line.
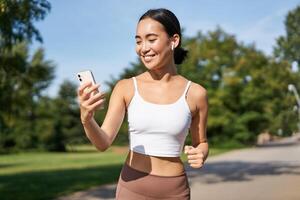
99 34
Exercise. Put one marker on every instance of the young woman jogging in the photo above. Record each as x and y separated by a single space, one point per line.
162 107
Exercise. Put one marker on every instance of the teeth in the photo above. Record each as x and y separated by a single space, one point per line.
148 58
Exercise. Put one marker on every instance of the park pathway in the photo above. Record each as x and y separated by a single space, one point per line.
270 172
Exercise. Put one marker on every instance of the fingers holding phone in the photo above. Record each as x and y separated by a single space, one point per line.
95 101
86 90
90 99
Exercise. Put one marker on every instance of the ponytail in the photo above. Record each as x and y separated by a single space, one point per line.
179 55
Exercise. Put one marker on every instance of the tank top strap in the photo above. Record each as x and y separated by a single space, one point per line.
186 88
135 83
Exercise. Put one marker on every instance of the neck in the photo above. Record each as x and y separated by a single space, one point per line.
163 73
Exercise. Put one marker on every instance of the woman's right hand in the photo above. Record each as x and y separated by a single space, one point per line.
90 99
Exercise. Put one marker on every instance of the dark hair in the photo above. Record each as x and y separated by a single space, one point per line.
171 25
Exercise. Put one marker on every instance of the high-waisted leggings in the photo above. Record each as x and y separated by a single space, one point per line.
138 185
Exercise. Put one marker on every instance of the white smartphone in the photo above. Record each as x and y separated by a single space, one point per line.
86 76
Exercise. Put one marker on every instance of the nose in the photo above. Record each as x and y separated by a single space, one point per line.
145 48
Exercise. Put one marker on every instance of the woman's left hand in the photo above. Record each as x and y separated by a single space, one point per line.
195 156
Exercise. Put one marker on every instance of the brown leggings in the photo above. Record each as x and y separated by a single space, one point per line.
137 185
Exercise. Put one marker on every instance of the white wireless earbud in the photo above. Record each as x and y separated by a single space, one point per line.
172 47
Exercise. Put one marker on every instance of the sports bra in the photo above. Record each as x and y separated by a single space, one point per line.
158 129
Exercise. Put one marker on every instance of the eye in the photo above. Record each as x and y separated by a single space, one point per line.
138 42
152 40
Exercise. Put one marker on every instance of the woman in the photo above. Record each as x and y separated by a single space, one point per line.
162 106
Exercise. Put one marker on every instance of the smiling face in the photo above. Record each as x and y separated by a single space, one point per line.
153 44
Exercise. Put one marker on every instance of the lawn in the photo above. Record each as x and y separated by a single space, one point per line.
43 175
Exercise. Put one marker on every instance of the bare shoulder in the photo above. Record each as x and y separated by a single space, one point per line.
125 89
197 90
198 94
123 85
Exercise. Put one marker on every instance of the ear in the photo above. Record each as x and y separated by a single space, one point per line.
175 39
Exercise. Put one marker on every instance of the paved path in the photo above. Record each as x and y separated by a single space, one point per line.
271 172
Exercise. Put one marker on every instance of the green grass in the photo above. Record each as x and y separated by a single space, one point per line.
44 175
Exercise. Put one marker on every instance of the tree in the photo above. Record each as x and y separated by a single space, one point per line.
61 117
288 49
16 20
288 46
22 79
21 91
247 89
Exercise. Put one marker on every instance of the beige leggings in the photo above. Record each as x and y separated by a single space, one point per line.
137 185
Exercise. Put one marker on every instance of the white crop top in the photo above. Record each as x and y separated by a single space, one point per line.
158 129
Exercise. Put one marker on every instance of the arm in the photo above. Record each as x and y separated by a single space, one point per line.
198 152
102 137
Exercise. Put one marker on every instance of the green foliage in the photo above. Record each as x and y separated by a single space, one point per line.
288 46
23 78
16 20
247 90
59 120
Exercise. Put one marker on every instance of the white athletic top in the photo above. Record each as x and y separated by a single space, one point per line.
158 129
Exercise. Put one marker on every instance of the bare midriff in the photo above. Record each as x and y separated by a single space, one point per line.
161 166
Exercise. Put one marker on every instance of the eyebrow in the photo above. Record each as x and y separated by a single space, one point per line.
148 35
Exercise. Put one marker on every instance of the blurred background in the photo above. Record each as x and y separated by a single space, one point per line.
245 53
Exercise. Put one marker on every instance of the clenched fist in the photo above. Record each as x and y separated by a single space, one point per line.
195 156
